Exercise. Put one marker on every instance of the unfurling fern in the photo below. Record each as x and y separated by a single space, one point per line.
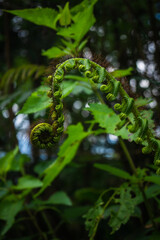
45 135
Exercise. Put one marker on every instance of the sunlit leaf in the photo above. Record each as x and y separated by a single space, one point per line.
122 73
28 182
53 52
66 153
78 29
65 16
40 16
37 101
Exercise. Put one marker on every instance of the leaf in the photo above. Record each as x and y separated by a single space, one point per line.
20 74
115 171
8 211
148 114
80 7
153 179
65 16
37 101
108 119
59 198
41 16
125 210
67 152
19 161
83 22
122 73
92 217
67 88
28 182
151 192
140 102
53 52
6 161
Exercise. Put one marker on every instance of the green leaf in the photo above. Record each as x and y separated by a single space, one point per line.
153 179
67 152
28 182
108 119
59 198
65 16
67 87
115 171
41 16
140 102
37 101
151 192
122 73
6 161
125 210
83 22
19 161
92 217
80 7
53 52
8 211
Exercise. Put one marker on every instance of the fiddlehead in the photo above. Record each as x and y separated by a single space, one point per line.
45 135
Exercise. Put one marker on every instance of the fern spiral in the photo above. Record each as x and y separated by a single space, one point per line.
45 135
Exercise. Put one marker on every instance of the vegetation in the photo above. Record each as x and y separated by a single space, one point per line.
80 148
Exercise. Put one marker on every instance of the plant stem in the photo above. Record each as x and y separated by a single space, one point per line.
47 222
128 156
134 170
42 234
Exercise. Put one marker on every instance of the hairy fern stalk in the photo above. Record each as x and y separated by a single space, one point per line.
45 135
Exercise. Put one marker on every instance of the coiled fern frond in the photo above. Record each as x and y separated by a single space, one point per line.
45 135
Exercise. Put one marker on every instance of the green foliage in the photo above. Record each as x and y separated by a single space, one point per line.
19 75
59 198
65 18
66 154
125 210
122 73
9 208
28 182
117 172
37 101
6 162
53 193
41 16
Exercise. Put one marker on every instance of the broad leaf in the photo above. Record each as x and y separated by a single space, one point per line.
40 16
28 182
37 101
125 211
140 102
122 73
6 161
67 152
65 16
115 171
92 217
53 52
9 208
153 179
67 88
108 119
83 22
59 198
